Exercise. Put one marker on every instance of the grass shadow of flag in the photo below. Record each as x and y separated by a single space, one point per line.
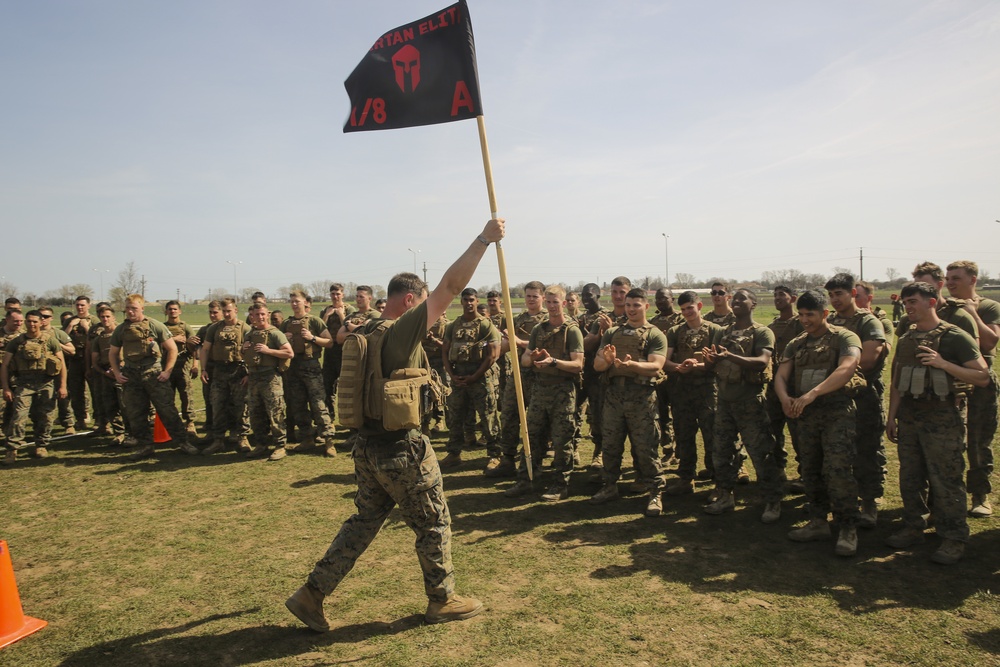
421 73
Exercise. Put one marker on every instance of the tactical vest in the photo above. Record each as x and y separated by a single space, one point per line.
101 344
920 381
138 342
465 344
498 319
31 355
722 320
740 341
634 343
179 329
690 343
554 341
227 348
303 349
6 338
785 332
852 324
525 322
665 322
257 361
78 337
816 359
950 306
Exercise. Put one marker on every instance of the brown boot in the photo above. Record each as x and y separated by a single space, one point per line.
456 608
453 460
142 453
306 604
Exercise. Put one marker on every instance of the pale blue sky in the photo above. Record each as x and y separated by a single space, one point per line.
758 135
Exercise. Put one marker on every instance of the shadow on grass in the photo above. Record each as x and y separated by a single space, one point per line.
735 554
243 646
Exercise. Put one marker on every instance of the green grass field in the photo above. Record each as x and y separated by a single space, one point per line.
188 560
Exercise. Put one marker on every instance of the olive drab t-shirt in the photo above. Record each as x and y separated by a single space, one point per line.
844 339
574 337
958 317
989 313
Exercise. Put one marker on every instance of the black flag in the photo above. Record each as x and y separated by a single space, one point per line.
421 73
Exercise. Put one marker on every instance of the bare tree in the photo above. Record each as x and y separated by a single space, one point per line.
684 279
128 282
892 274
7 289
319 288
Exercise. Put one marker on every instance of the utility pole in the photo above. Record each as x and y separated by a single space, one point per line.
143 284
425 272
862 260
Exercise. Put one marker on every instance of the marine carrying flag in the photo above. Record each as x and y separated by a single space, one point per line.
421 73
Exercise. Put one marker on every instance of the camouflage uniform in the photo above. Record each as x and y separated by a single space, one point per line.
107 391
206 387
930 434
741 411
870 464
5 338
180 378
721 320
784 331
33 389
592 390
304 379
503 363
140 348
693 397
826 427
664 322
395 467
630 406
439 408
510 429
79 388
228 392
982 420
265 393
468 346
553 400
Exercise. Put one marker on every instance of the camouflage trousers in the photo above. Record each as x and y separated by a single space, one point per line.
870 461
593 392
931 444
827 452
694 409
510 423
266 407
630 410
180 382
745 417
438 409
333 358
391 472
982 426
306 399
108 398
778 420
78 388
663 410
464 403
206 394
550 415
229 402
142 389
34 398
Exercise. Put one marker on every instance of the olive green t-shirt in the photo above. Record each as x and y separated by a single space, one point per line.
574 337
959 318
656 340
157 329
989 313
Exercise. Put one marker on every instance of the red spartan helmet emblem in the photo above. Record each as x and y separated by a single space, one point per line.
407 61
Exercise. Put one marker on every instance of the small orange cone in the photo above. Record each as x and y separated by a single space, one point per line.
13 623
160 434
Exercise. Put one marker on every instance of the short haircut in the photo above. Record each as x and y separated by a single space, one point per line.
928 269
556 290
102 303
592 287
44 309
622 281
722 285
571 293
966 265
919 288
228 301
172 302
401 283
258 305
493 294
12 311
12 300
136 299
637 293
37 313
689 296
104 308
750 293
366 289
298 294
535 285
470 291
215 304
277 311
82 297
258 295
866 286
790 291
844 281
335 287
812 299
380 302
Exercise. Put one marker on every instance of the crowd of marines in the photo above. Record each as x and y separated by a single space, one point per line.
812 378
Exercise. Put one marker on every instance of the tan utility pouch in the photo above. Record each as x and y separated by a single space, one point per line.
53 366
401 398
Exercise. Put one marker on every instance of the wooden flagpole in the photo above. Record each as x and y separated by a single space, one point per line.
515 357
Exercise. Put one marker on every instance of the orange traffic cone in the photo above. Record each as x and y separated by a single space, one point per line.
13 623
160 434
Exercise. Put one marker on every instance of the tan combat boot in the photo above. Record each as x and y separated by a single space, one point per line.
306 604
814 531
455 608
725 502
